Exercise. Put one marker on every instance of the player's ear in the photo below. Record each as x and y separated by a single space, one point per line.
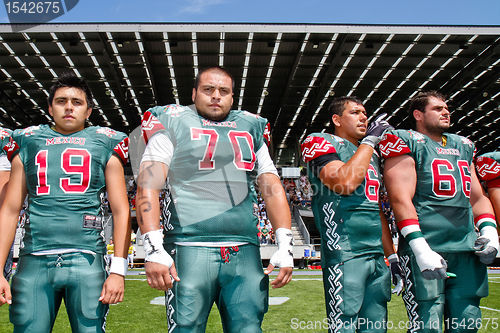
336 120
417 114
89 111
50 111
193 95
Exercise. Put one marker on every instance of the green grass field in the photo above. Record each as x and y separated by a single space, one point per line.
305 309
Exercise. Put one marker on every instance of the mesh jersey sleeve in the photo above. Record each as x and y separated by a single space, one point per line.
393 145
488 169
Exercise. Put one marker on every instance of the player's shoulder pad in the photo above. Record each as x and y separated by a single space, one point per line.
172 110
488 166
462 140
318 144
118 141
396 142
253 118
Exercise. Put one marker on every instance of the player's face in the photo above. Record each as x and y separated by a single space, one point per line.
69 109
436 118
214 95
352 124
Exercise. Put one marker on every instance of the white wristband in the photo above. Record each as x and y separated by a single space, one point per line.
119 266
153 246
284 238
393 258
419 246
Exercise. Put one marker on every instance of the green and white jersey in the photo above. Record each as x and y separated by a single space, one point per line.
488 168
350 225
4 140
211 173
443 187
66 185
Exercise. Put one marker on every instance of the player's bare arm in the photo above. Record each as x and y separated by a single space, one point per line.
344 178
388 245
478 199
158 263
494 194
9 213
113 288
279 213
400 180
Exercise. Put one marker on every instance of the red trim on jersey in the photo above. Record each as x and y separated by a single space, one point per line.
267 134
150 125
392 146
487 168
11 149
315 146
484 216
121 150
493 183
404 223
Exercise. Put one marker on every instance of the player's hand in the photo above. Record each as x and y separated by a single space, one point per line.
376 130
485 250
160 267
431 264
160 276
113 289
397 276
5 295
283 258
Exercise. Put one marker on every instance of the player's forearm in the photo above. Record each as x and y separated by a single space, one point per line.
494 194
121 234
346 178
148 209
387 243
276 204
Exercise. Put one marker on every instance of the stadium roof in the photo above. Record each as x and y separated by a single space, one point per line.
286 73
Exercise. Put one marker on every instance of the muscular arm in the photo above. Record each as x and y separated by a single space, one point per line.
274 196
478 199
387 242
494 193
9 214
279 213
400 179
151 180
4 178
113 288
344 178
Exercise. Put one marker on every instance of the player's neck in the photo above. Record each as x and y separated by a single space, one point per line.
434 136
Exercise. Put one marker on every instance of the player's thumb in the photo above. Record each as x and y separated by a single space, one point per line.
6 296
269 269
173 272
103 292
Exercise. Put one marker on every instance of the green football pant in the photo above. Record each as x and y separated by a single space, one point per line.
231 277
41 282
452 304
356 294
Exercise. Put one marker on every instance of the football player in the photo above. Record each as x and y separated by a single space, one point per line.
437 198
212 156
345 170
65 170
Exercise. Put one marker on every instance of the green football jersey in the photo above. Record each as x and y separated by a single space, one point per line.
211 175
66 185
350 225
4 139
443 187
488 168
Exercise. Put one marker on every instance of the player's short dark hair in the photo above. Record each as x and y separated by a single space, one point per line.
338 104
420 101
69 79
216 69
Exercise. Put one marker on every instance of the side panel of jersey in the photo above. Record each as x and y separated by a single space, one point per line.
488 168
211 174
349 224
443 187
66 185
